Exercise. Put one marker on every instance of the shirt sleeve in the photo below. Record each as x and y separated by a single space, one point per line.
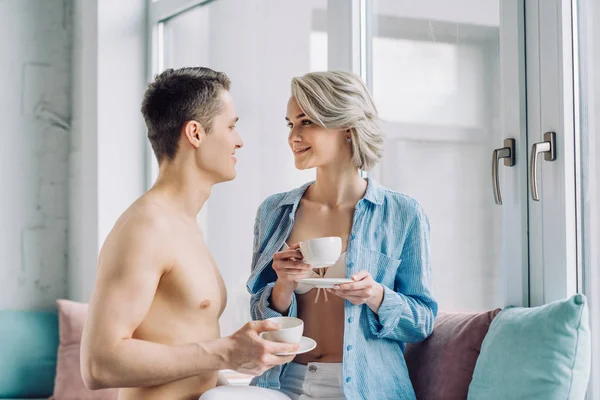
260 301
260 306
407 313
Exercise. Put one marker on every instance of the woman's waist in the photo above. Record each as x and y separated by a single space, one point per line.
324 368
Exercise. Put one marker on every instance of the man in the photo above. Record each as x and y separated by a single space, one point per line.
153 324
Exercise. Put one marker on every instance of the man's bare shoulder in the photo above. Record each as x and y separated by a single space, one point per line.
144 216
145 227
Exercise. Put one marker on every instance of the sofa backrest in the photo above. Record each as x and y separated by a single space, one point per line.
442 366
28 350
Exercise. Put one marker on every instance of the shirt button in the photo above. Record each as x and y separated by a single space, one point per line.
352 237
348 379
350 319
349 348
351 264
312 368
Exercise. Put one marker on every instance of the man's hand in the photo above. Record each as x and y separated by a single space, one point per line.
252 355
364 290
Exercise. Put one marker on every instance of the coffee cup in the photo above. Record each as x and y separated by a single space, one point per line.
290 331
321 252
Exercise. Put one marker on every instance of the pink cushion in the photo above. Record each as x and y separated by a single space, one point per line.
68 384
442 366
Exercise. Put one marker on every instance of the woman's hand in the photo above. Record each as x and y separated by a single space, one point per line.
364 290
289 267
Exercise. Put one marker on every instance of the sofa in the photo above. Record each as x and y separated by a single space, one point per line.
28 351
513 353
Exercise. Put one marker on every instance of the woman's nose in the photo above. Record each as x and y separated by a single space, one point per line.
294 136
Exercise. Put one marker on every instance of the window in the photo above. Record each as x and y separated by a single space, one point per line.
436 84
243 39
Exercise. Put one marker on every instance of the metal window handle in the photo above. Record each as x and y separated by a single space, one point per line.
548 147
508 153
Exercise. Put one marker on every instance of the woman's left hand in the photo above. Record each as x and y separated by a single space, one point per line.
364 290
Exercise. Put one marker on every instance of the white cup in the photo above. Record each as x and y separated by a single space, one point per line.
290 332
321 252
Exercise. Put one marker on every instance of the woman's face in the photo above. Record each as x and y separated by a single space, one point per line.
312 145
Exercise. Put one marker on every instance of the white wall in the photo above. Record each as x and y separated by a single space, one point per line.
35 102
107 160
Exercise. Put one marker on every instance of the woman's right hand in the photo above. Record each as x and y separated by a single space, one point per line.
289 266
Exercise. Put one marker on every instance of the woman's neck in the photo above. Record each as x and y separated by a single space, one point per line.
337 187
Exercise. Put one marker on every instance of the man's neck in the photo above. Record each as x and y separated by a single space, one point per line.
185 189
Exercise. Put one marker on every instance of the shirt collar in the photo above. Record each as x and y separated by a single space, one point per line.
374 194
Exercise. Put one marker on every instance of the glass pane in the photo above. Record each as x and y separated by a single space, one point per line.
186 39
588 179
436 83
261 46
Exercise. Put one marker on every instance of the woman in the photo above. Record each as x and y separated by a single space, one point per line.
362 328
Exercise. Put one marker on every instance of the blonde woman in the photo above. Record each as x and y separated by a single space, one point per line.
362 328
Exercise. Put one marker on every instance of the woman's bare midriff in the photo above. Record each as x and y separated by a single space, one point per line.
323 322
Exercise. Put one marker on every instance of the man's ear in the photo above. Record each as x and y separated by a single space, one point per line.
193 133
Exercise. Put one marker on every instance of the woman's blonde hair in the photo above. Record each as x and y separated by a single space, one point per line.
340 100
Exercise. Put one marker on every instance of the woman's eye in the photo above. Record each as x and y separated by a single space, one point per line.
306 122
290 125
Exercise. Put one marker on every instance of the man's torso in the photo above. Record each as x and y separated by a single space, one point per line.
186 308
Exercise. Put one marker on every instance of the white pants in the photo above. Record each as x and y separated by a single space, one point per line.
300 382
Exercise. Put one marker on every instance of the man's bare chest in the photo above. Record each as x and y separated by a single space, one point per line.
194 281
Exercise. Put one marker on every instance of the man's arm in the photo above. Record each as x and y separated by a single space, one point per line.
132 262
129 271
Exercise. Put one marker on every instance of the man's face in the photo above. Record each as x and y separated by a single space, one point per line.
216 154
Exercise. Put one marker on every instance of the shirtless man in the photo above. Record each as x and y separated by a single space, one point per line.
153 324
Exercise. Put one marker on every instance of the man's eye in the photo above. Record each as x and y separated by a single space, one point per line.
290 125
306 122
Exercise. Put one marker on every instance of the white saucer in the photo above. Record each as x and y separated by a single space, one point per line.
324 283
322 265
306 345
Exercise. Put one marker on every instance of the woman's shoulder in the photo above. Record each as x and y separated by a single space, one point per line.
392 198
277 200
402 206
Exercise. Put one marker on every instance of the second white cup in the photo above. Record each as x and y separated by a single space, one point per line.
290 332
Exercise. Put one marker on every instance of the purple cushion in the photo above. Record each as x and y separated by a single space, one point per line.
442 366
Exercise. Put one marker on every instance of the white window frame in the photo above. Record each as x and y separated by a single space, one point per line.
554 266
515 249
586 38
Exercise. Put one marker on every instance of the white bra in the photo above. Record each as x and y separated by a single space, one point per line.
337 270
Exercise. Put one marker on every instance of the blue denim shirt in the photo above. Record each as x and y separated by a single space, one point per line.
390 239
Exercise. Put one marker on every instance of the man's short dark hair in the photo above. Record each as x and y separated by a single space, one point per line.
177 96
